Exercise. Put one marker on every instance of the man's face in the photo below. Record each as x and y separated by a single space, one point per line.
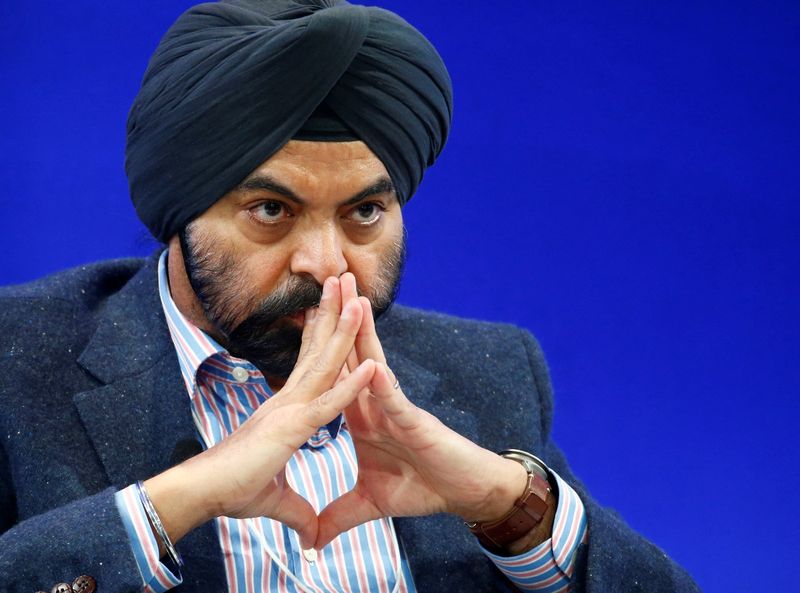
257 258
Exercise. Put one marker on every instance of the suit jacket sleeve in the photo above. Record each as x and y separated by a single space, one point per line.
616 557
58 517
85 536
91 400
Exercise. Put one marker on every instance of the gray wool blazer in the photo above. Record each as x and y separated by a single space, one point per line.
91 400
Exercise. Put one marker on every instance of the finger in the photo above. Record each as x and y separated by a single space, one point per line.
305 347
295 512
330 404
367 343
357 415
308 330
324 323
391 400
352 359
348 511
342 374
330 306
322 373
347 284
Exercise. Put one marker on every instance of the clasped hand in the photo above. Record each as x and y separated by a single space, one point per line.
409 463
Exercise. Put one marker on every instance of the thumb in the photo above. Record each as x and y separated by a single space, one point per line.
348 511
295 512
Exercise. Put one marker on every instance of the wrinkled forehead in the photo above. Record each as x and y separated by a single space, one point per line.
320 174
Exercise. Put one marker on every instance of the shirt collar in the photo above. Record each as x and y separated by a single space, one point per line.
192 344
194 347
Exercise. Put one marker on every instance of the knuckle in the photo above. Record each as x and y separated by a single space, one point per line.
325 399
310 345
320 368
312 371
307 351
348 327
320 405
324 315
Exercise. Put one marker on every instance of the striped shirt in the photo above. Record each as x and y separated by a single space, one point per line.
223 392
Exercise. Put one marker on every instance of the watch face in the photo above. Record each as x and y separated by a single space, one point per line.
531 463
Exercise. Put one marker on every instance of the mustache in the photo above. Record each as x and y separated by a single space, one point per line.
300 294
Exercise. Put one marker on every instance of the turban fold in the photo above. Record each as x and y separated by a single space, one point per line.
231 82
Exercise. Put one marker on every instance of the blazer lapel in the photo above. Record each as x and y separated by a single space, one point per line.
136 422
142 411
140 419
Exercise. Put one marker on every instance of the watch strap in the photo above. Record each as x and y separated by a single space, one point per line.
526 514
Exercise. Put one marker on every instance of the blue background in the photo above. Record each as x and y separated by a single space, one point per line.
622 179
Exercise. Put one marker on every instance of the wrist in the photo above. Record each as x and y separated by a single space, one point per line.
510 479
178 501
529 521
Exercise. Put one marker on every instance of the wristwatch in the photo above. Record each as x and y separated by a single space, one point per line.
528 511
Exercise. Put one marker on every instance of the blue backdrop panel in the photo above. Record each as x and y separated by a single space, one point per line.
622 179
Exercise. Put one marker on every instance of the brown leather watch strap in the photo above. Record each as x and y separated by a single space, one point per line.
527 513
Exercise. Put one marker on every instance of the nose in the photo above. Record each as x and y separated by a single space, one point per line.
318 253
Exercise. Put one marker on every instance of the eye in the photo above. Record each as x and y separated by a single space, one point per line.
270 212
366 213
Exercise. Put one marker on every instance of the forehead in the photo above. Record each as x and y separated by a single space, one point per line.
312 162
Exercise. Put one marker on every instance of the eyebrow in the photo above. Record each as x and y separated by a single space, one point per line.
382 185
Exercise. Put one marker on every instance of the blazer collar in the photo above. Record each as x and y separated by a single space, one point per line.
131 334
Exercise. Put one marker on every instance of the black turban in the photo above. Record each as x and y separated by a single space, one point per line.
232 82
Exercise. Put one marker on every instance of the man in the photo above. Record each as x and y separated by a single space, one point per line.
227 415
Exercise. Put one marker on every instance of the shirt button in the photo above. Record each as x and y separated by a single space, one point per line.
240 374
310 555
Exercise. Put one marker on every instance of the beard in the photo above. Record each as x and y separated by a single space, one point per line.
256 328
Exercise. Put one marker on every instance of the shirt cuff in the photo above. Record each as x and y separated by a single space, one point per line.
548 567
156 576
